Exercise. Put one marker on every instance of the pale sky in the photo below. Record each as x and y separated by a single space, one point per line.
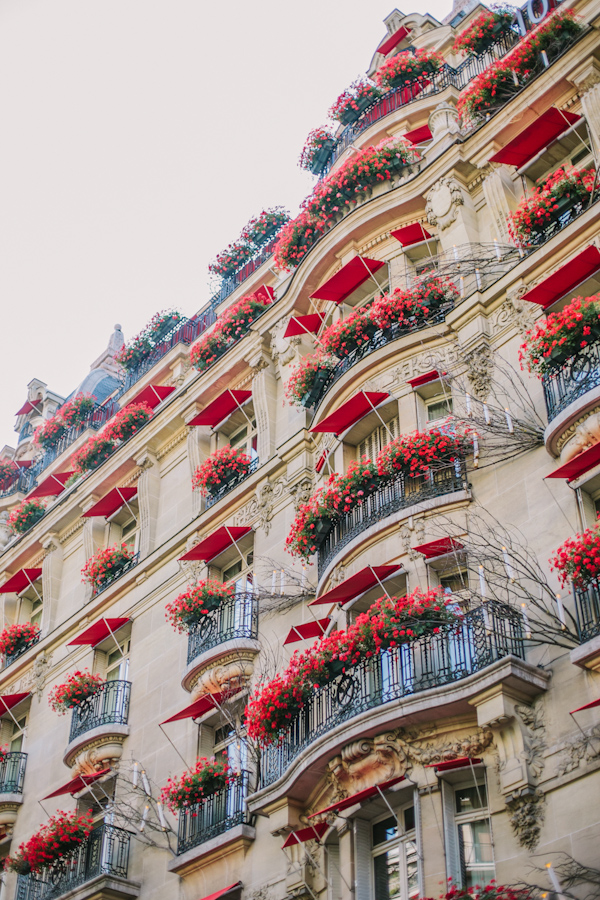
137 139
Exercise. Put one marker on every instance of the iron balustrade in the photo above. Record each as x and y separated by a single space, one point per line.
104 852
21 483
232 282
231 483
481 637
572 380
214 815
115 574
12 772
11 657
236 617
389 497
587 610
108 705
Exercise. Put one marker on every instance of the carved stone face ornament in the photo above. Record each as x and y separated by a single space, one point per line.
443 201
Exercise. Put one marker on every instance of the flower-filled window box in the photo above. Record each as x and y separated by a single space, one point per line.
71 693
26 515
127 421
408 68
317 149
205 778
551 343
420 453
347 335
231 260
9 472
141 346
106 565
389 623
221 467
578 559
189 608
262 228
93 453
563 190
71 414
487 29
308 379
16 639
351 104
60 835
231 326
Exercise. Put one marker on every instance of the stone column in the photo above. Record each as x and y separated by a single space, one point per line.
51 575
148 501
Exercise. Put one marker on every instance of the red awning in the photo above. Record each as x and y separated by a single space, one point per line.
393 40
221 407
20 580
77 784
411 234
111 502
203 705
50 486
357 585
348 279
98 631
304 324
565 279
579 465
27 407
587 706
439 547
23 463
312 833
264 294
217 542
418 135
152 394
428 377
359 797
7 701
459 763
536 137
351 412
228 890
308 630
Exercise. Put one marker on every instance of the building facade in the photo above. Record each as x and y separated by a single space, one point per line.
463 753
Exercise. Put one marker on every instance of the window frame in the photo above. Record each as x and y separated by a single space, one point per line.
400 841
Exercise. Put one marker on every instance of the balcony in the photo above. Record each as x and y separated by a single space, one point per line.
234 619
230 284
587 610
12 773
109 705
390 497
485 635
574 379
116 574
216 814
100 861
230 484
9 659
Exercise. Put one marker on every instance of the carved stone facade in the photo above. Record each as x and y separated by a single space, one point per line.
443 201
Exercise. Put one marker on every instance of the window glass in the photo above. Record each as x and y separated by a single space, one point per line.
387 874
476 852
18 729
470 798
453 582
245 438
395 860
117 663
438 408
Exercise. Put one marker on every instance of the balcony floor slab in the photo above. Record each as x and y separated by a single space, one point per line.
587 655
575 410
224 845
104 887
100 735
236 645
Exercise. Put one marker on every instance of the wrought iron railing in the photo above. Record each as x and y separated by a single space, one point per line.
108 705
215 814
230 284
104 852
94 420
22 482
11 657
483 636
12 772
115 574
236 617
231 483
574 379
388 498
587 610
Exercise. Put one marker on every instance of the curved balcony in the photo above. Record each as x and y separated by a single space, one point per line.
230 484
455 652
12 773
570 382
587 610
216 814
108 705
101 860
9 659
235 618
389 497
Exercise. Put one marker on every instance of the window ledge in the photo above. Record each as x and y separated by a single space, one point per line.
105 740
224 845
587 655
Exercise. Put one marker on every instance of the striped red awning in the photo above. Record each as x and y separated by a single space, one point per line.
439 547
411 234
357 585
217 542
351 412
565 279
20 580
312 833
579 465
51 486
111 502
299 325
536 137
392 40
361 796
98 632
77 784
152 395
221 408
348 279
308 630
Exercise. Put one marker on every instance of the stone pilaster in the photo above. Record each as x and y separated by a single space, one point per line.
264 399
51 576
148 501
590 106
198 448
93 538
500 199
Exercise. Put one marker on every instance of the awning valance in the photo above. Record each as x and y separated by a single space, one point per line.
586 706
351 412
418 135
360 797
299 325
579 465
221 408
228 890
98 632
307 630
411 234
312 833
111 502
152 395
439 547
51 486
449 764
77 784
357 585
565 279
199 707
348 279
217 542
7 701
20 580
533 139
392 40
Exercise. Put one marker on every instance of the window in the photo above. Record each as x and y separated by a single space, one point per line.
439 407
124 526
395 859
378 439
454 581
31 604
240 572
117 662
474 835
245 438
18 734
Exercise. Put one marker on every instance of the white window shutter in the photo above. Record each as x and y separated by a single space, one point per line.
450 834
334 885
362 860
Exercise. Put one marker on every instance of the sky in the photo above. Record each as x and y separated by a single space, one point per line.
137 139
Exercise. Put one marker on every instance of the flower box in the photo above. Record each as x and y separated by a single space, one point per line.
203 780
107 565
74 691
26 515
561 191
336 667
560 337
61 834
487 29
16 639
405 69
190 608
310 398
220 469
321 156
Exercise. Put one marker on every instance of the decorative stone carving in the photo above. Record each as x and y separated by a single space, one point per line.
442 359
526 816
116 340
264 394
260 509
35 679
412 535
570 431
283 350
444 120
513 312
585 434
585 748
99 754
8 816
443 201
231 674
301 491
532 718
480 364
519 735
